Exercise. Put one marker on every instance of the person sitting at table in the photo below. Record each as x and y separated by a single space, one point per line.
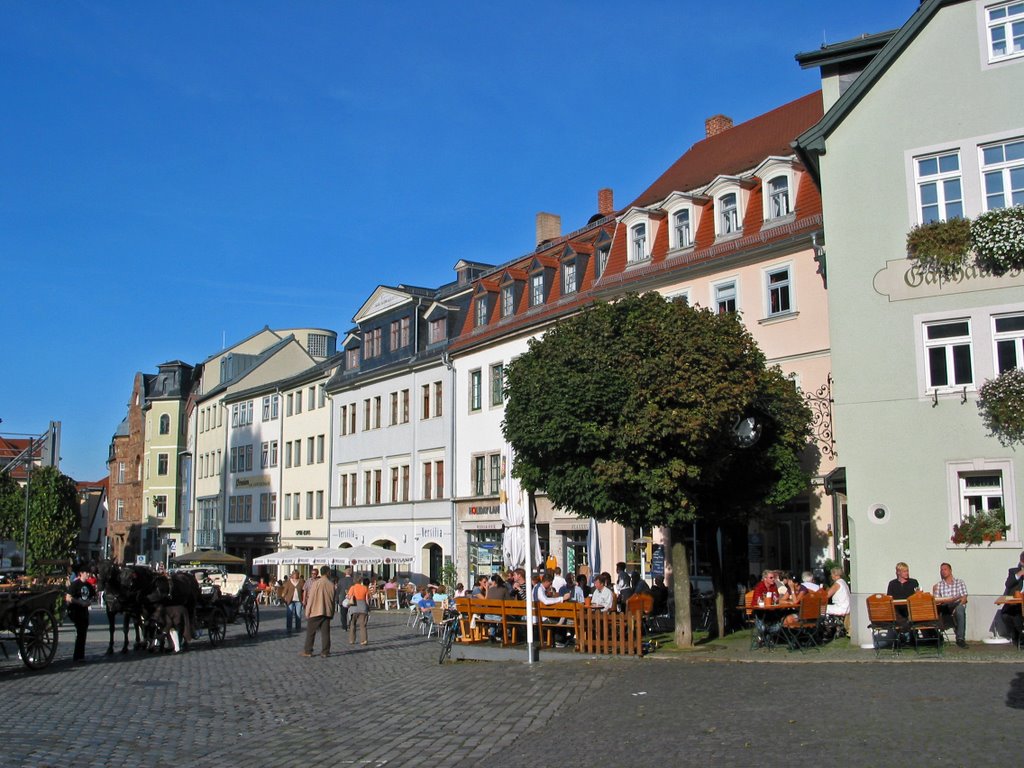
1011 614
602 597
838 595
901 588
660 593
766 592
807 582
953 610
766 589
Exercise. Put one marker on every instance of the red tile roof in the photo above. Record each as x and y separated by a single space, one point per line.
738 149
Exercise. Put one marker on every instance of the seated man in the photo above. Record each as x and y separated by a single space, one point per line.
955 611
766 592
540 595
1011 614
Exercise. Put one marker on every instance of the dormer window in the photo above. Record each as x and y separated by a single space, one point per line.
569 277
728 215
681 229
437 330
351 360
537 289
508 301
372 340
601 262
638 242
481 311
778 197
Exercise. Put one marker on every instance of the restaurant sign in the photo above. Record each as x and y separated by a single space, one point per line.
252 482
903 279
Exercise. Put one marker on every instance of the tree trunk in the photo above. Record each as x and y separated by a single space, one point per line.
710 540
681 589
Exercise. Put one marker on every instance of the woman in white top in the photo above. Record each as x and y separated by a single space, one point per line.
838 594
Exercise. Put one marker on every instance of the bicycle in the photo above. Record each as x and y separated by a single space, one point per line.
452 628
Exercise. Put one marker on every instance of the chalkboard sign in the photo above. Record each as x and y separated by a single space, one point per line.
658 561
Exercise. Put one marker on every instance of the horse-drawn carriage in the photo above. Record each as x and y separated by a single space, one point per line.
225 598
28 616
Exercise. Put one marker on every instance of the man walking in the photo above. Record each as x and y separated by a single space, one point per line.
344 585
319 612
291 596
955 608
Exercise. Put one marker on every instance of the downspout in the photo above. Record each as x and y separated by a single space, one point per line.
450 366
224 484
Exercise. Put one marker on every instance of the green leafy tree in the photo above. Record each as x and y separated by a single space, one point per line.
53 519
629 412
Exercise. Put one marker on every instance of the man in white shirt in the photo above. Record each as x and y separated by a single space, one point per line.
557 581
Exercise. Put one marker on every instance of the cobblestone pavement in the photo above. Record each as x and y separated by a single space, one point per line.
258 703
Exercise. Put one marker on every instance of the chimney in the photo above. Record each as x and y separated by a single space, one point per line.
605 202
549 226
716 125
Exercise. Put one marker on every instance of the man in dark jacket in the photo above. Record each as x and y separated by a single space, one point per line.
80 595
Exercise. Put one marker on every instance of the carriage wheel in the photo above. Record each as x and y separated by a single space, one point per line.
252 619
37 638
218 627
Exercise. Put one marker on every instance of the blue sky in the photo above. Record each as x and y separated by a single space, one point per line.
177 174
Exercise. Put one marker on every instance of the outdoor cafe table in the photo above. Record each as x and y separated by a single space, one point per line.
771 614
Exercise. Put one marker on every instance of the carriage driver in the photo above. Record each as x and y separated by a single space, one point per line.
79 597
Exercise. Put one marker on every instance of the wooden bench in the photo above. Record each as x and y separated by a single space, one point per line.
556 617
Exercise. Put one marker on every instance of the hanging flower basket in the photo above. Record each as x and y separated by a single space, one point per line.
997 238
980 527
941 247
1001 403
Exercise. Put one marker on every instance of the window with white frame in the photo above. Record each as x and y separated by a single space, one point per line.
1008 335
478 474
481 311
351 364
948 353
728 214
939 189
497 384
725 297
537 289
1003 174
778 284
160 506
681 229
508 301
1005 30
438 397
980 492
120 471
403 407
569 277
601 262
494 473
161 464
475 390
119 510
638 242
778 197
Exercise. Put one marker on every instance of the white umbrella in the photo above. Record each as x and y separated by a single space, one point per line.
367 554
282 557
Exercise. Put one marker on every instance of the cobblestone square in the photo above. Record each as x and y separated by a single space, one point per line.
258 703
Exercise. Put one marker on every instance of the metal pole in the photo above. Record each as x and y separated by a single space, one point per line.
527 525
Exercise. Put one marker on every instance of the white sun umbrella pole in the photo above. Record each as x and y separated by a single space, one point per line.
517 512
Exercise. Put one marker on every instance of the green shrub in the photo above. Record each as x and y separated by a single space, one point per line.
942 247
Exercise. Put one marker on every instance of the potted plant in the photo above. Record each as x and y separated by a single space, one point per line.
997 238
942 247
1001 403
984 525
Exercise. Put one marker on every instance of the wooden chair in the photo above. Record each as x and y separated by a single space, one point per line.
391 599
883 623
925 626
748 619
805 632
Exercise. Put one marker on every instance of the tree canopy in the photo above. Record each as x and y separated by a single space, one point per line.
53 521
629 412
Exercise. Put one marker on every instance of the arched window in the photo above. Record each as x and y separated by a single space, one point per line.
728 214
684 237
638 242
165 424
778 197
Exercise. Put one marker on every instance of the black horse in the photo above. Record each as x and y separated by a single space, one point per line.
154 590
118 601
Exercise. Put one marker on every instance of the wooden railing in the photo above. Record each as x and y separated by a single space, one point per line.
610 633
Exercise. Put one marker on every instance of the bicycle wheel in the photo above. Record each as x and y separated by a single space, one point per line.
446 641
